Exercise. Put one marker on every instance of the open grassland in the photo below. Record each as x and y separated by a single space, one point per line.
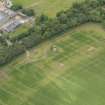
49 7
68 70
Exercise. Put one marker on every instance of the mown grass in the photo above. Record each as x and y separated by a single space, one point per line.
48 7
73 74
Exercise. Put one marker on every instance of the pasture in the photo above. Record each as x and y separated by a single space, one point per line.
48 7
68 70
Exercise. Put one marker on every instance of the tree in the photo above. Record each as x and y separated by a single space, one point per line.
28 12
16 7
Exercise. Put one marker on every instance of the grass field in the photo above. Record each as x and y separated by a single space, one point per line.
49 7
68 70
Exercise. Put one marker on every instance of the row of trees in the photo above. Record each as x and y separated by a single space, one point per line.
45 27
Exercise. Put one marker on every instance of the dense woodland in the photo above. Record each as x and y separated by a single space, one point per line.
45 27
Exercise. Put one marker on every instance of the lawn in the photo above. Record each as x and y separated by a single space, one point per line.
68 70
48 7
22 29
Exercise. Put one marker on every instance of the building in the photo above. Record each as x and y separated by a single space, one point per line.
8 3
11 26
9 19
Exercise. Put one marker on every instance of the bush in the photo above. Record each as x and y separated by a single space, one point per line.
28 12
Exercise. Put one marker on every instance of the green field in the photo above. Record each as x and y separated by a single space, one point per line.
68 70
49 7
